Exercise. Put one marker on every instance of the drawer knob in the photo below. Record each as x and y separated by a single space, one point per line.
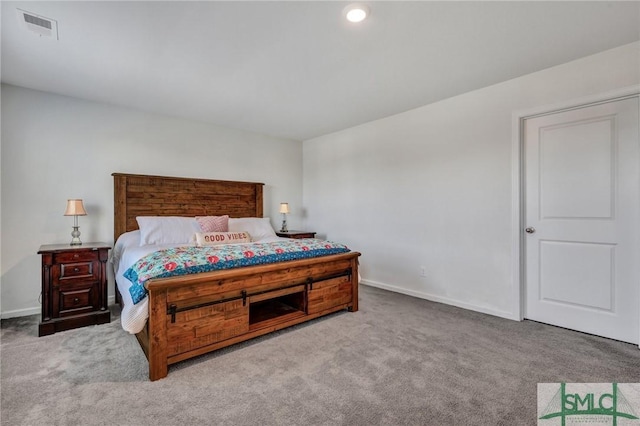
76 255
76 301
76 269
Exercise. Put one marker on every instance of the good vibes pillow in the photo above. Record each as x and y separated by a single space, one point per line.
215 238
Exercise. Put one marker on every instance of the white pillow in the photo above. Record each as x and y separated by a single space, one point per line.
167 229
258 227
216 238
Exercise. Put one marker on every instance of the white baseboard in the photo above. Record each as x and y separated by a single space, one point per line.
440 299
37 310
370 283
21 312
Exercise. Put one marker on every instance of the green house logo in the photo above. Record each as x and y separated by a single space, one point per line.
593 405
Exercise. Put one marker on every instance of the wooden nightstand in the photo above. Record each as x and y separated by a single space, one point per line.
74 286
296 234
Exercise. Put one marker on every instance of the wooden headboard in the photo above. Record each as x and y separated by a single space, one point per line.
144 195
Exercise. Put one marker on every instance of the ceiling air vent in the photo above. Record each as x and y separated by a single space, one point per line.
44 27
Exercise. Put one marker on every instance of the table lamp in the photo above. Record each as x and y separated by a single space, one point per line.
284 209
75 209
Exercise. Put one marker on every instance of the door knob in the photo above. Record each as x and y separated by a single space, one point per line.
530 230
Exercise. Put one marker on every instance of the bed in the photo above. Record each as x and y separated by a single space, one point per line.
190 315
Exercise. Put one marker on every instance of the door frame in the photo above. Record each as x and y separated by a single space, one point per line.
518 278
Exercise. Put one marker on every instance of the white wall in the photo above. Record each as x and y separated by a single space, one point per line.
432 186
56 147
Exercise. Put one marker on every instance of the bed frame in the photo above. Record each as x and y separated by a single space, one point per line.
195 314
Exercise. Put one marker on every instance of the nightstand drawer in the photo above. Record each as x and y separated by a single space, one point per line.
75 256
74 301
82 271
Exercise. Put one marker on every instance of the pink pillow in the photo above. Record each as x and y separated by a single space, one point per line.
214 223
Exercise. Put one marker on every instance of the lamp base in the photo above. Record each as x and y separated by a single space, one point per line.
75 237
284 226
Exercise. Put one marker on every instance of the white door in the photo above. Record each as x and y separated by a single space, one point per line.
582 214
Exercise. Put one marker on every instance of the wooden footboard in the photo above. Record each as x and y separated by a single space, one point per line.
196 314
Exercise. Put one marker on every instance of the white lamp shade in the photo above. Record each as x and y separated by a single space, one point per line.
75 208
284 207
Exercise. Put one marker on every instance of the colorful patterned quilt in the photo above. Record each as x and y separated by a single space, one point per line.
192 260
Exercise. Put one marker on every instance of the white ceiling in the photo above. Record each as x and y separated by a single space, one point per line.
298 69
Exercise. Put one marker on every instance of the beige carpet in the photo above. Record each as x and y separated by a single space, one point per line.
399 360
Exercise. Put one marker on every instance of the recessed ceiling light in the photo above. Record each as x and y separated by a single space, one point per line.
356 12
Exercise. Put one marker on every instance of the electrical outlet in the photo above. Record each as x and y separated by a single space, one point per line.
423 271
